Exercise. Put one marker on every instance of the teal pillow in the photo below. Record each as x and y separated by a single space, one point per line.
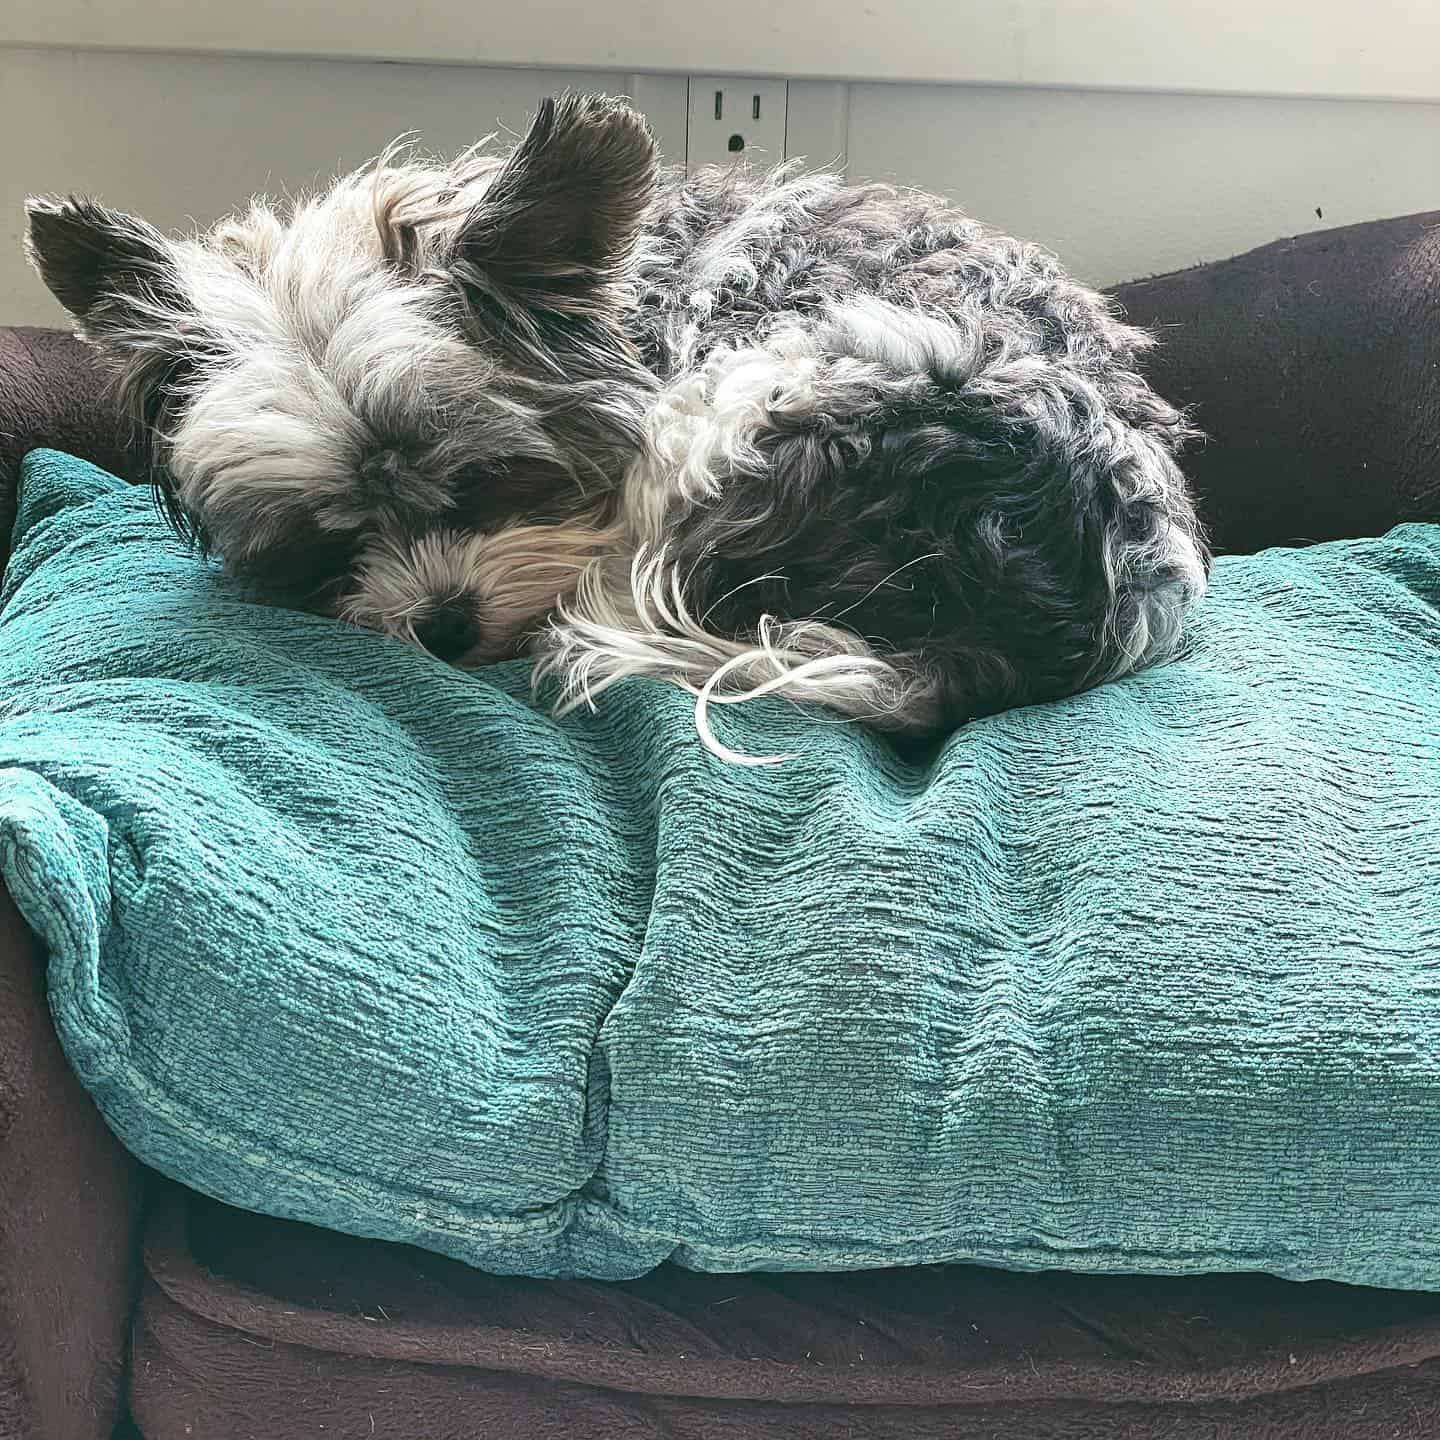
1148 980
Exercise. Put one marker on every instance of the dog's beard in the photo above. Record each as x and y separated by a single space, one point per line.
504 583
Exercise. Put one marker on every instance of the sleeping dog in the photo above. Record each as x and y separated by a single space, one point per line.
745 432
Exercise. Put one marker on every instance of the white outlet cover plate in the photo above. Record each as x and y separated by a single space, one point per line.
710 139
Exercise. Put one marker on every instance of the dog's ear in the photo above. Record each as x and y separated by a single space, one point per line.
119 278
104 266
558 223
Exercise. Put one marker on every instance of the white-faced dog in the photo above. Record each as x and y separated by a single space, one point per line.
749 433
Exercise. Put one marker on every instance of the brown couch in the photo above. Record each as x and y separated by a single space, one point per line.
1314 364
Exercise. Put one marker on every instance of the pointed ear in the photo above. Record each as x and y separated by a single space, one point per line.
559 221
120 279
100 264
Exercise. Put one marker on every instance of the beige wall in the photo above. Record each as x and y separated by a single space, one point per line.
1120 184
1384 49
1125 185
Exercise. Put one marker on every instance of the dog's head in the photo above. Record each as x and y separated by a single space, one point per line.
364 394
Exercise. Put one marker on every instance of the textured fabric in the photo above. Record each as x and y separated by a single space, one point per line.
1145 981
266 1329
68 1192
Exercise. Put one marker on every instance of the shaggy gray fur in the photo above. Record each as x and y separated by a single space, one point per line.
739 431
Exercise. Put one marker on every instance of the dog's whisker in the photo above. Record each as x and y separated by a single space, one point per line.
735 590
880 584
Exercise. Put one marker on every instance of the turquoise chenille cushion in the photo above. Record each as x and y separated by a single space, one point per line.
1148 980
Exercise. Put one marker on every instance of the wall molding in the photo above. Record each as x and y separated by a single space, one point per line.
1381 50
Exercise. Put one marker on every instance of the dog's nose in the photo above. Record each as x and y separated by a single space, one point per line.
450 631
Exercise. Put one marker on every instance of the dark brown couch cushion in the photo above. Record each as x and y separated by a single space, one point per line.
1313 365
69 1196
267 1330
69 1204
53 394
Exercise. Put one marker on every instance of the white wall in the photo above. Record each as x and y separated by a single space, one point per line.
1125 185
1381 49
187 138
1121 184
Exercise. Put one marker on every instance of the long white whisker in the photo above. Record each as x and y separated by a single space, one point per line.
736 589
933 555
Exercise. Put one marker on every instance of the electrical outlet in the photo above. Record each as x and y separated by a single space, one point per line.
735 121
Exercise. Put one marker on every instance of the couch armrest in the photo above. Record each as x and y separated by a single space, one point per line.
53 393
69 1207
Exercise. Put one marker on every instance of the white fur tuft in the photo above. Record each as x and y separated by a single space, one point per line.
618 625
